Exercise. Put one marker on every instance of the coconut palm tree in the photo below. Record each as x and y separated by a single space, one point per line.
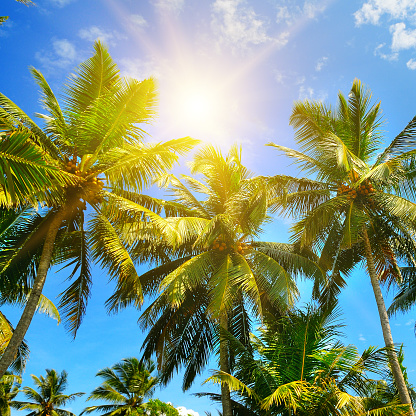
9 388
49 397
298 366
212 269
126 386
356 206
95 139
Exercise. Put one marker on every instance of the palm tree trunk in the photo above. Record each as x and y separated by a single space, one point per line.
224 366
32 302
385 326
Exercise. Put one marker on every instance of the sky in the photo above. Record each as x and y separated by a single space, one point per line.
228 72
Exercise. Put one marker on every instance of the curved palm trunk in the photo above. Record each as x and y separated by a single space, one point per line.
385 326
224 366
32 302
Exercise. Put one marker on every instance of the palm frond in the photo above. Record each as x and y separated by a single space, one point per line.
107 249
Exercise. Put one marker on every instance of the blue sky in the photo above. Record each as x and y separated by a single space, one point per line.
244 63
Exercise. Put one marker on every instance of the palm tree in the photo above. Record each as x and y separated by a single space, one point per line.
96 140
126 386
212 271
355 208
49 397
9 388
297 366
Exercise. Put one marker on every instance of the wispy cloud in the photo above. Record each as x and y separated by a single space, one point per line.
60 3
93 33
62 54
139 69
379 51
168 6
240 26
321 63
308 93
292 13
138 20
411 64
361 338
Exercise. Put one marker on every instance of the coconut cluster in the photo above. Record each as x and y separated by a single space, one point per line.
365 188
94 185
220 245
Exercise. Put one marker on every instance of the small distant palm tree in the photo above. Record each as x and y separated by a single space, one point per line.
49 397
126 386
9 387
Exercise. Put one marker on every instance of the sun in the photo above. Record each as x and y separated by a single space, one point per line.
198 105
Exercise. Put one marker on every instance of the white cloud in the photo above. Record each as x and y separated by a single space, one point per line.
64 49
378 51
94 33
310 9
283 14
60 3
174 6
411 321
138 20
321 63
280 77
183 411
411 64
240 26
361 337
372 10
63 54
402 38
308 93
139 69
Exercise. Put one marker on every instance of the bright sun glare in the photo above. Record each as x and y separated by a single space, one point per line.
198 106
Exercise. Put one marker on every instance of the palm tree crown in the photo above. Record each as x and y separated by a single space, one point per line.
49 395
96 140
297 364
214 270
126 386
355 208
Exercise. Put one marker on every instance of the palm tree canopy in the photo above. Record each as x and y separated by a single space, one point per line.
125 388
48 397
210 262
298 364
359 204
356 184
94 147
